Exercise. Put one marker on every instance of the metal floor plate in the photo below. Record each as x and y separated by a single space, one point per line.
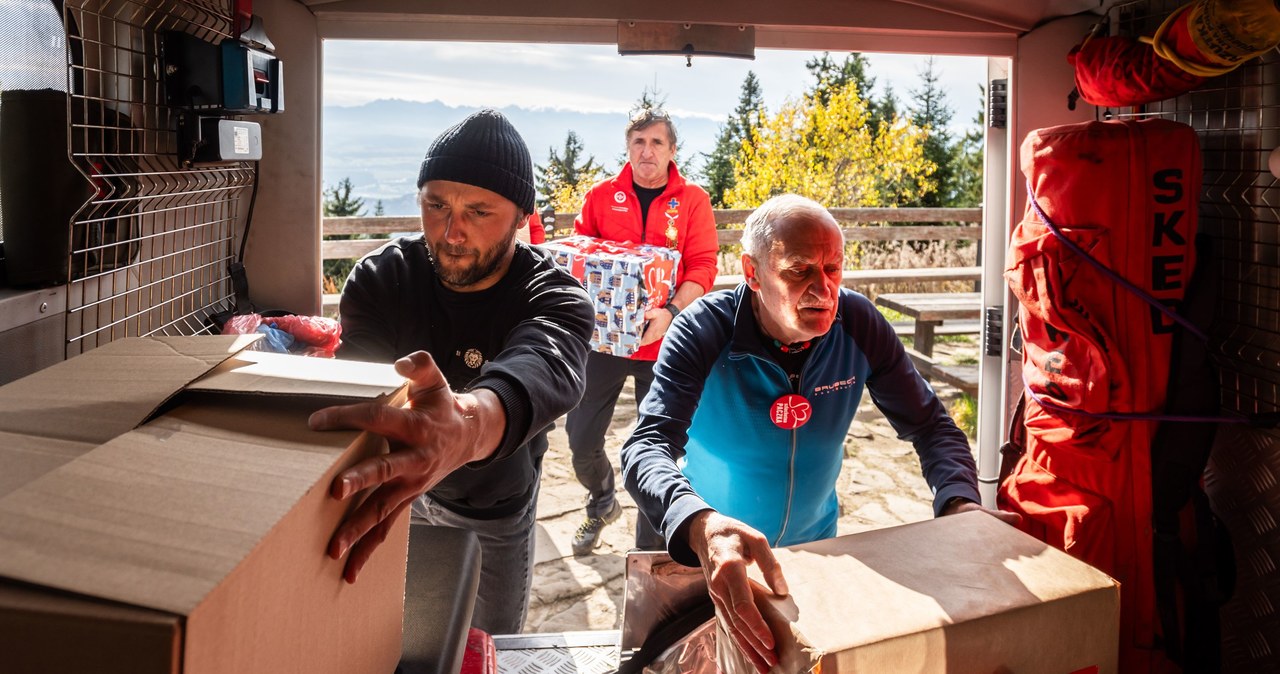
558 653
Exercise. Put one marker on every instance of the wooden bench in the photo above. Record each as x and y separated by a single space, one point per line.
929 310
963 377
946 328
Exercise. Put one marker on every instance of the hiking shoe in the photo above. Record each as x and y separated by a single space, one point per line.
588 536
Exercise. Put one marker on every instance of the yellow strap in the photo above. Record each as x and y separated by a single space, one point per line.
1167 53
1198 69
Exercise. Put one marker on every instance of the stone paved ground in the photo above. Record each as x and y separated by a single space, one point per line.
879 486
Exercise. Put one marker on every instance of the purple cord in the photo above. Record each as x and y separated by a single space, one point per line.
1141 294
1106 271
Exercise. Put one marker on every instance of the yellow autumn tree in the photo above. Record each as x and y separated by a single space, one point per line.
566 197
829 153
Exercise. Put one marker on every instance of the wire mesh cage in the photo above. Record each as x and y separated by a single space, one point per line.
149 249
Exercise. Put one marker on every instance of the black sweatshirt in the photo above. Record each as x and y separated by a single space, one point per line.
524 338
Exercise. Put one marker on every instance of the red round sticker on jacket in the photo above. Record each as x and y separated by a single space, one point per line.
790 412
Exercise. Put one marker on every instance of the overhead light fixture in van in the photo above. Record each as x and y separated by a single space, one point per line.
686 39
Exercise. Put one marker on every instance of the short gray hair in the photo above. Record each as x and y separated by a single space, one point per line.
647 117
760 230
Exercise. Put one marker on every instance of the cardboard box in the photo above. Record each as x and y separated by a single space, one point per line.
965 593
624 280
164 508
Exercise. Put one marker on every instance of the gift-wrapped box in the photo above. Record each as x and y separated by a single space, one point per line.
624 280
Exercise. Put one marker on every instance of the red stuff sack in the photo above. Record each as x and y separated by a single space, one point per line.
1125 194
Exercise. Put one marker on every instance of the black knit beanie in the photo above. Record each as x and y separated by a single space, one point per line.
483 150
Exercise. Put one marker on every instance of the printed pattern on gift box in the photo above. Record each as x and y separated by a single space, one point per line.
624 280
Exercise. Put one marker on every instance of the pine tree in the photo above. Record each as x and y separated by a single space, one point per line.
886 109
651 99
566 167
338 203
929 110
378 209
969 156
718 170
830 76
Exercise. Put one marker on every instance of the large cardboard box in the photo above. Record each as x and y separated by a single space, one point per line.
965 593
164 508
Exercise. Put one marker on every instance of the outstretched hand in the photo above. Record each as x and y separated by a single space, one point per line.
725 547
435 433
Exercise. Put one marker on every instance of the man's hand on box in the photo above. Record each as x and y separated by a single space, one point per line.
961 505
435 433
725 547
656 323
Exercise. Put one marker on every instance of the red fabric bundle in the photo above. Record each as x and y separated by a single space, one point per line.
1122 72
1126 193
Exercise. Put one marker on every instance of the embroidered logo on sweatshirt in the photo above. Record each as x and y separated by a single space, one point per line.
473 358
835 386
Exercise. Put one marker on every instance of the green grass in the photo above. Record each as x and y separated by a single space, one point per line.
891 315
965 413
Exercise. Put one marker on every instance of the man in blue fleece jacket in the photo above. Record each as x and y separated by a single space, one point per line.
741 437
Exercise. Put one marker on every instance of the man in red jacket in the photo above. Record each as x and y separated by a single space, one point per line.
647 202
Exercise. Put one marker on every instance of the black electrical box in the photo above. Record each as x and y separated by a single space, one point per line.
998 109
231 77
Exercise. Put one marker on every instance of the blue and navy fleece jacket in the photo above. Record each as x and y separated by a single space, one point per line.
705 438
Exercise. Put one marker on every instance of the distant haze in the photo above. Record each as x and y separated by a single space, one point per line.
380 145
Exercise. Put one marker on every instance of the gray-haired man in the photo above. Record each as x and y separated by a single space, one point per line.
741 437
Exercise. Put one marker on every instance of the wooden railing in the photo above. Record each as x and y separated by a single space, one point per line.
876 226
970 230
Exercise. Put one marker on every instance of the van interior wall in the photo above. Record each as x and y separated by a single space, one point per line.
149 251
1237 117
283 254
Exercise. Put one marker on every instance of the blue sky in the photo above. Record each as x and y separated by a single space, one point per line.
595 78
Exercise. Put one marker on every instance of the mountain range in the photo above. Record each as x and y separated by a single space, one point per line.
379 145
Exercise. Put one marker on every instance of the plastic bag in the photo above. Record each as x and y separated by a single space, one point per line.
306 335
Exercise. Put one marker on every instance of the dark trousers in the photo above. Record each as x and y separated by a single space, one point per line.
589 421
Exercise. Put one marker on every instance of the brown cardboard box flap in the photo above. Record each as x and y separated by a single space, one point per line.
264 373
919 597
215 512
192 491
108 391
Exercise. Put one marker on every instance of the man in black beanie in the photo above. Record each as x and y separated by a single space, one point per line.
493 338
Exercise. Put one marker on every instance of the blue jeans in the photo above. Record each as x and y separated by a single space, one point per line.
506 561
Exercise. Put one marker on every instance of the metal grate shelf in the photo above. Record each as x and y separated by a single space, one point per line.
150 247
